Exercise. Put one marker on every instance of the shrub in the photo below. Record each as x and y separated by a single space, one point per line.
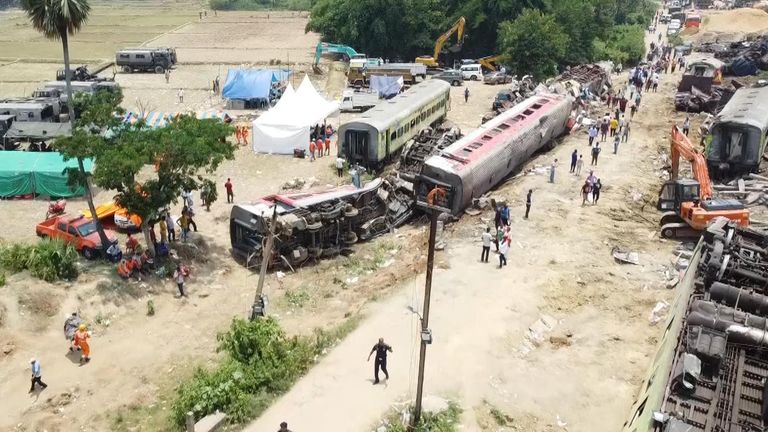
624 44
261 363
2 279
49 260
446 420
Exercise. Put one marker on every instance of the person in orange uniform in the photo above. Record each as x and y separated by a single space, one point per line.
131 244
311 151
237 134
328 145
319 147
245 135
81 342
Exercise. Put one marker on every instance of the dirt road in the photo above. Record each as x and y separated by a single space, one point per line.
560 265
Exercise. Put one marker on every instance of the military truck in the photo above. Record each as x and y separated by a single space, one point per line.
156 60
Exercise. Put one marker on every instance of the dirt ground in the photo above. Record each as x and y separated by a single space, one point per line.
560 266
729 25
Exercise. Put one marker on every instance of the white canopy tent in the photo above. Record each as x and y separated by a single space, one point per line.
285 127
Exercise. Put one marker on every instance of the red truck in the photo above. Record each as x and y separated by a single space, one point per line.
78 231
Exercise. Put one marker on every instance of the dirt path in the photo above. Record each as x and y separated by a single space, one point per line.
560 265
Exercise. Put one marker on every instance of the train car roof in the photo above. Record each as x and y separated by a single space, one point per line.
748 106
383 113
480 142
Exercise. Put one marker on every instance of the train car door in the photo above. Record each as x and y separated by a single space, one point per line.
357 141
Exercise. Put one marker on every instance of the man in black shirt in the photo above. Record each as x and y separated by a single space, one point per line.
381 359
528 203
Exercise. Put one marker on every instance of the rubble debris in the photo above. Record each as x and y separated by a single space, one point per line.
536 334
658 312
625 257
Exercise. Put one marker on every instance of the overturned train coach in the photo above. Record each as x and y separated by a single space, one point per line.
318 224
470 167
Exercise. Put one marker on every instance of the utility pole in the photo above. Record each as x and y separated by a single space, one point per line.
426 333
259 307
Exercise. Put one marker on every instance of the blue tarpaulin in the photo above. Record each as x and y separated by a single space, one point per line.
386 86
251 83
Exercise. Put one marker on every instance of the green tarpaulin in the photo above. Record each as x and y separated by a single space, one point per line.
40 173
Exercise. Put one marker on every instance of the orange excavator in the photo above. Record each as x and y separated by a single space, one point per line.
687 203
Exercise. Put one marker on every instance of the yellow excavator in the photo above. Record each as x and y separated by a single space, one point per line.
490 62
432 61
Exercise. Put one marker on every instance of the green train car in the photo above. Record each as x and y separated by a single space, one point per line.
379 135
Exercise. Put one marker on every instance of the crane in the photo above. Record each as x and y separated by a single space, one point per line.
688 203
458 27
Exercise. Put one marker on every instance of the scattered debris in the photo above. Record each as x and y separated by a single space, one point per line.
536 334
625 257
659 312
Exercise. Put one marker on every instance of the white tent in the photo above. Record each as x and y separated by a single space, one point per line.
286 126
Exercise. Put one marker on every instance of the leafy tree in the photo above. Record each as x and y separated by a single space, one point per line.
533 44
576 19
393 29
624 44
59 19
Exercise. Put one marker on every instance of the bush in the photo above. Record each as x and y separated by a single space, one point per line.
260 4
49 260
262 362
624 44
446 420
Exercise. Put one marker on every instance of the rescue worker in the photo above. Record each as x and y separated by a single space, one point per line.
311 150
70 326
81 342
244 132
327 145
381 359
238 135
319 146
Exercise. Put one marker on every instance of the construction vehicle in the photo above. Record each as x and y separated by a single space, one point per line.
82 73
432 61
688 203
344 53
490 62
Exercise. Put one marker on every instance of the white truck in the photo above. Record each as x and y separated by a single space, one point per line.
359 101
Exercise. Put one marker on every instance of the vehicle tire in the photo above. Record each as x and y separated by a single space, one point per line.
159 69
126 69
89 253
668 233
473 78
455 83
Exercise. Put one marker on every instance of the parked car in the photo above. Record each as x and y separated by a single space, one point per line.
472 72
452 76
684 49
665 18
79 231
497 78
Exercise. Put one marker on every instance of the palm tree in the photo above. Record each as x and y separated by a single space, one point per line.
59 19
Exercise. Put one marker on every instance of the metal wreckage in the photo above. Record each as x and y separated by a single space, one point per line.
711 368
325 223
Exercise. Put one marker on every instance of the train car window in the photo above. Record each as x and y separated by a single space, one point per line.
400 132
519 117
393 136
528 112
486 137
503 126
413 122
536 106
543 101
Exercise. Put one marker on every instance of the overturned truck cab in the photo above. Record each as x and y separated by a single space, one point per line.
318 224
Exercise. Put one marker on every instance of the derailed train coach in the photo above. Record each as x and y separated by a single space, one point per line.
376 137
472 166
739 134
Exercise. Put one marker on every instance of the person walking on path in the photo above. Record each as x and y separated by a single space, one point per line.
466 94
230 193
503 251
184 225
625 133
528 203
579 164
614 125
505 215
638 98
180 95
496 214
499 238
163 231
585 190
380 362
595 153
616 141
37 375
604 127
622 122
592 134
179 276
632 111
596 191
81 343
552 169
167 75
283 427
574 159
171 227
486 237
686 126
340 166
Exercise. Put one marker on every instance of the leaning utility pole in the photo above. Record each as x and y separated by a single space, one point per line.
426 333
259 307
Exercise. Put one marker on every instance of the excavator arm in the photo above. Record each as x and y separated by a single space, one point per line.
458 27
324 47
488 62
680 145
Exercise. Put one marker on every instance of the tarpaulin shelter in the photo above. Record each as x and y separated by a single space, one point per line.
156 119
286 126
40 173
251 83
386 86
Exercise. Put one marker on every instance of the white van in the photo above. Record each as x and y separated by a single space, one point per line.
472 72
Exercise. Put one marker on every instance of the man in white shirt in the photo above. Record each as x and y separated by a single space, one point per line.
340 166
486 237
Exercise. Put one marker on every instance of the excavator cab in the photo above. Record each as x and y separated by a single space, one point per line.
676 192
